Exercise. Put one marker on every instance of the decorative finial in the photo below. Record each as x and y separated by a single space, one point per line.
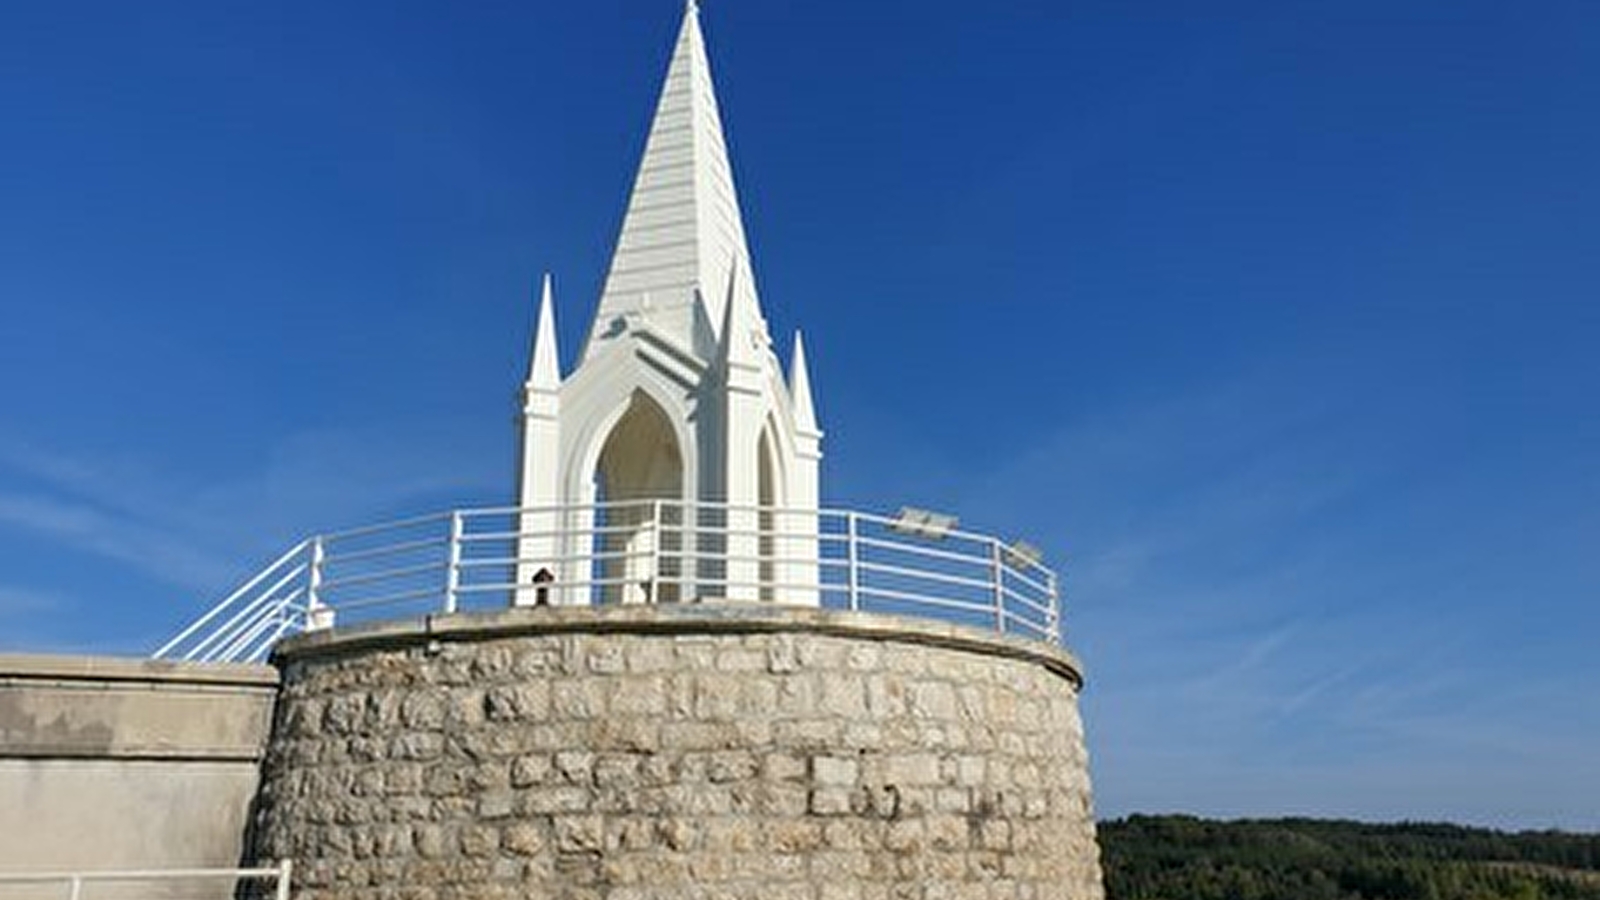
692 7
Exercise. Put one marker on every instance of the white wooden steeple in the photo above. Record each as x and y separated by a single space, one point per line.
682 233
678 396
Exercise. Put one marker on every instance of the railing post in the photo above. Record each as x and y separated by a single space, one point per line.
852 569
1055 606
452 574
691 562
285 869
75 887
997 565
314 573
318 615
655 552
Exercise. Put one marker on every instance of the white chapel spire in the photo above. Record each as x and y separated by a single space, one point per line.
544 370
805 413
677 401
683 232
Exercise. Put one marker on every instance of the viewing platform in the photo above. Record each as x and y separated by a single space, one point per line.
915 564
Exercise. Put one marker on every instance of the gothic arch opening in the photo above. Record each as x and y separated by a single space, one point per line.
638 483
766 497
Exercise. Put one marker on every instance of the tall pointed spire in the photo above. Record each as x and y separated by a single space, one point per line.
677 395
805 414
683 231
539 471
544 370
738 328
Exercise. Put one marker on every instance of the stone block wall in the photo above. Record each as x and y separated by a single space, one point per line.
675 753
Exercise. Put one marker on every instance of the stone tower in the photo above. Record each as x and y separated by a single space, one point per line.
678 394
899 721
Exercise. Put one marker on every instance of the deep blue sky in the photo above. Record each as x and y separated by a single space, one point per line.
1276 327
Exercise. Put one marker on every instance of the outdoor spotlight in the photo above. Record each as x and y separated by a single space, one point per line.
923 523
1023 555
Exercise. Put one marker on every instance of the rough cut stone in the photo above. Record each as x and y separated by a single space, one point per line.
665 763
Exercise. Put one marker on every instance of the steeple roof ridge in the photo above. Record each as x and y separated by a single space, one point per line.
683 231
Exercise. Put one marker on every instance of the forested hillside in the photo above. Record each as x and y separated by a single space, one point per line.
1186 858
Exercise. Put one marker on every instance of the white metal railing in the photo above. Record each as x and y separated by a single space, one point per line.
224 884
625 552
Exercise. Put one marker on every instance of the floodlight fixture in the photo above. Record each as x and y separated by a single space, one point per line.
923 523
1023 555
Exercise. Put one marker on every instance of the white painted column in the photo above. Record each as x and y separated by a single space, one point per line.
802 545
538 476
741 486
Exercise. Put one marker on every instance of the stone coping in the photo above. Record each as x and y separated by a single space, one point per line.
704 617
58 709
64 667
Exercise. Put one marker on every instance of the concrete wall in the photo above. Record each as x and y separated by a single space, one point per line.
117 764
730 751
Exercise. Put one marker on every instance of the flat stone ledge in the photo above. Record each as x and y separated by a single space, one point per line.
64 668
97 747
56 709
704 617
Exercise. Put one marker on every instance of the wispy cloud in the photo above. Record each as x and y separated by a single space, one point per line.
158 552
1249 660
197 534
17 601
30 616
1270 608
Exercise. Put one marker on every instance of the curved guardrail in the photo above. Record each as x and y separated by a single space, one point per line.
643 551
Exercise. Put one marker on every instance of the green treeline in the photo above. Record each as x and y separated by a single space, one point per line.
1187 858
